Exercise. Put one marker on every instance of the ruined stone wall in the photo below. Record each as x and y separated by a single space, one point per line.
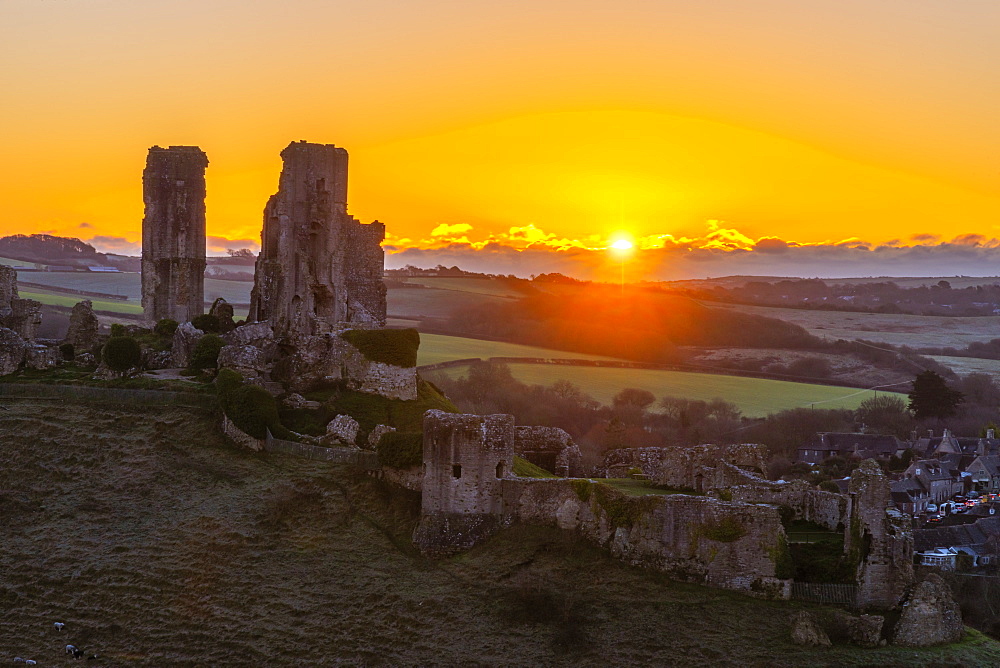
465 457
550 448
173 233
810 504
699 539
694 467
879 538
22 316
318 267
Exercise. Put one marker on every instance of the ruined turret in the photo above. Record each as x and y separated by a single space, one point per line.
173 233
878 539
465 459
319 269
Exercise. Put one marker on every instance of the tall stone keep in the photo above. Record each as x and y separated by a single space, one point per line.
173 233
319 269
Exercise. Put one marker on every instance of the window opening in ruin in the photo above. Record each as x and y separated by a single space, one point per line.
456 470
500 470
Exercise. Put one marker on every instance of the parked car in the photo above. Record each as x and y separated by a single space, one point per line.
933 518
932 507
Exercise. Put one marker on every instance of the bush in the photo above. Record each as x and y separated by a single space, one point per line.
401 449
117 329
206 323
251 408
67 351
165 327
206 352
389 346
121 353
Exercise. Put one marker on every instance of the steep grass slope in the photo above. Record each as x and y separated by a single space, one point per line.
157 543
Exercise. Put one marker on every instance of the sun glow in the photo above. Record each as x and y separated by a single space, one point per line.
622 244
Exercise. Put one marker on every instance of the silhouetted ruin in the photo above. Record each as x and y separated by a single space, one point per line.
319 269
173 233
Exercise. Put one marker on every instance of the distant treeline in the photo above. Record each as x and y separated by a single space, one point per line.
876 297
638 324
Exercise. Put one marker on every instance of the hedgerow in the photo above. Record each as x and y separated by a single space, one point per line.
389 346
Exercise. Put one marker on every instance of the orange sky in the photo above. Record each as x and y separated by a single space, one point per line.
523 121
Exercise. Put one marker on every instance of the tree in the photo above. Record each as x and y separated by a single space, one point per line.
885 414
932 398
240 252
122 353
631 396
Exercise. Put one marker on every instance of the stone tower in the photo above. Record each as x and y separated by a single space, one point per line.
466 459
319 269
173 233
879 538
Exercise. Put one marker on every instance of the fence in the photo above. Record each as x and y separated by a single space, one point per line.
362 458
839 594
106 394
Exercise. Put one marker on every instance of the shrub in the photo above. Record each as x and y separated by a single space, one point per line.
165 327
121 353
206 352
251 408
401 449
389 346
117 329
206 323
67 351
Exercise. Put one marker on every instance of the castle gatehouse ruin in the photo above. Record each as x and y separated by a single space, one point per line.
173 233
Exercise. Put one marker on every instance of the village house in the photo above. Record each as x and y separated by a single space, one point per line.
862 446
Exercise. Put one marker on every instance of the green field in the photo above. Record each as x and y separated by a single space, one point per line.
481 286
431 302
62 299
435 348
756 397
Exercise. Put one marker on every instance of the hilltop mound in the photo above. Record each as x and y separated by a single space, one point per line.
158 543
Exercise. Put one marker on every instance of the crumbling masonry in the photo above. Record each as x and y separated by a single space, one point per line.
318 269
173 233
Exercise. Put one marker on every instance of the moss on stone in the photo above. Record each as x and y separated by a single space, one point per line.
525 469
389 346
401 449
583 489
784 567
727 529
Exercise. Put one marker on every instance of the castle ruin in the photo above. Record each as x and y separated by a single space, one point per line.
173 233
318 269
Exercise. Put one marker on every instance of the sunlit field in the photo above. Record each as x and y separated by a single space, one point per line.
435 348
756 397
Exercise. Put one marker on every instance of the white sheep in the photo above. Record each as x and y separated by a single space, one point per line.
59 626
70 649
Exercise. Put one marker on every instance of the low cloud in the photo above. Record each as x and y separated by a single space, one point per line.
721 251
121 245
219 245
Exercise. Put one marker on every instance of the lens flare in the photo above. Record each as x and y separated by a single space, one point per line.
622 244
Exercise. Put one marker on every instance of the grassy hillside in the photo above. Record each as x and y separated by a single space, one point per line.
158 543
756 397
130 284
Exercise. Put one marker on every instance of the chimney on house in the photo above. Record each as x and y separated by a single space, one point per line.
930 433
989 433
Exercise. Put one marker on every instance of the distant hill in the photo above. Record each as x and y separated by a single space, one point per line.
49 249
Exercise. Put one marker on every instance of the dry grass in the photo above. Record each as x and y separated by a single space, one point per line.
159 544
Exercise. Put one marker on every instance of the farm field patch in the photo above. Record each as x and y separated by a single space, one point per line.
435 348
756 397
